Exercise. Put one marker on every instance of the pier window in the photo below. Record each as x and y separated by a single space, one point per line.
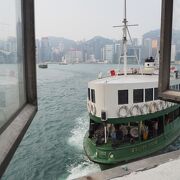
93 99
123 97
18 96
138 95
89 94
149 94
168 44
155 93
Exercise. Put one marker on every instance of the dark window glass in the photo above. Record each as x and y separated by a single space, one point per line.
179 86
173 87
123 97
149 94
93 95
89 94
176 113
138 95
176 87
155 93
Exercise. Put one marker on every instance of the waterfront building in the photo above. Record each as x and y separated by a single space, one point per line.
173 53
45 49
107 53
73 56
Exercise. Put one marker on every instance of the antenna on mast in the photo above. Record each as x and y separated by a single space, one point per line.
125 32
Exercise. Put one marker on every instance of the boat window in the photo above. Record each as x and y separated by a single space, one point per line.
93 95
173 87
152 128
138 95
155 93
169 118
123 97
176 113
149 94
89 94
177 87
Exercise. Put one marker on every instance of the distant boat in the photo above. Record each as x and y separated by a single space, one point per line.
63 61
43 65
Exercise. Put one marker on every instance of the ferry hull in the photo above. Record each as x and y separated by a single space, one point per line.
106 154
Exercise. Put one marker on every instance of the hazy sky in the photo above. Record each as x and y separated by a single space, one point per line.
78 19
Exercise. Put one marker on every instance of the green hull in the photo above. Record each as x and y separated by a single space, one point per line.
106 154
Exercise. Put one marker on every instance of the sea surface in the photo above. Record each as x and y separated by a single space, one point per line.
52 147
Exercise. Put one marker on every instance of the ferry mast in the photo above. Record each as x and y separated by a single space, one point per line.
125 32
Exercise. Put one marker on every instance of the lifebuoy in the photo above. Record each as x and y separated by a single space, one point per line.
153 107
165 104
93 109
145 109
160 105
135 110
170 104
123 111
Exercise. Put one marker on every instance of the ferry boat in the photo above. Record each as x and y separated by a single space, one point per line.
43 65
127 120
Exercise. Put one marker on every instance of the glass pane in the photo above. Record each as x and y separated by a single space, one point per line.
93 95
123 97
155 93
12 91
175 48
89 94
149 94
138 95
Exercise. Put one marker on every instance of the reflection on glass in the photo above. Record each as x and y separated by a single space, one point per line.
175 48
12 91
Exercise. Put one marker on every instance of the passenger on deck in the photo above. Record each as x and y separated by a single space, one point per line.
119 134
99 135
113 134
109 129
155 128
124 131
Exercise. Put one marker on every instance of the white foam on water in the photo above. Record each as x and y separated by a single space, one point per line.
78 132
82 169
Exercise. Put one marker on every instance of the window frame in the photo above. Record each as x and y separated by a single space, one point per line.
164 91
13 131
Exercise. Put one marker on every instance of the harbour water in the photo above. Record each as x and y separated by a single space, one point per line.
52 147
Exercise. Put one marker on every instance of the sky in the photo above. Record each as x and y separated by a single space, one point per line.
84 19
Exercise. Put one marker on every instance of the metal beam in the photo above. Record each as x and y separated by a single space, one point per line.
14 130
29 51
165 45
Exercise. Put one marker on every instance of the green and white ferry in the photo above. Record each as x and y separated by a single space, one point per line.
127 120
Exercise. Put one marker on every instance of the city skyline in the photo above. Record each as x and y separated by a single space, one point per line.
81 19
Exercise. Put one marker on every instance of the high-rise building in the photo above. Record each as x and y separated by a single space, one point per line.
45 49
38 52
173 53
73 56
108 53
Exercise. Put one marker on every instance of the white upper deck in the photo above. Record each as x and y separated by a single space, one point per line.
129 79
109 94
